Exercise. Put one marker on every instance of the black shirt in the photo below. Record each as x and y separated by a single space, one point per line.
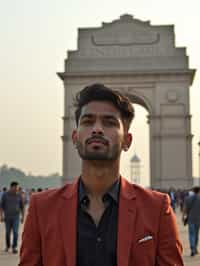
97 245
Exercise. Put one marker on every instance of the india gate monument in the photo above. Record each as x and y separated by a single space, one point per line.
142 61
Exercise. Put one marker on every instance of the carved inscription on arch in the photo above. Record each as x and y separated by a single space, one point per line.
145 38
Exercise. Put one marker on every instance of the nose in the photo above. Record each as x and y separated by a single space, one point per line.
97 128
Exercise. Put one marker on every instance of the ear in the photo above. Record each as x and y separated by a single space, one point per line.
127 141
74 136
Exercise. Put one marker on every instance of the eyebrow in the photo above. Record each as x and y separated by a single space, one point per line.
107 116
110 117
86 116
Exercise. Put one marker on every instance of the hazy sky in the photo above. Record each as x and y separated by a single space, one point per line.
35 36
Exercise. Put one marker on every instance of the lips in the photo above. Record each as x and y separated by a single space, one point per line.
97 141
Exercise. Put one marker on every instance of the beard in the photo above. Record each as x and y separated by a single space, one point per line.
96 154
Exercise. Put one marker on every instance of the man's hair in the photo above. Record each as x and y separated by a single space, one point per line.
98 92
14 184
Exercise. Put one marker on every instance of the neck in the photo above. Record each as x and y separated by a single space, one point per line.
99 176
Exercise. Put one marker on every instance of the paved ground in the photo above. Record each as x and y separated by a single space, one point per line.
12 260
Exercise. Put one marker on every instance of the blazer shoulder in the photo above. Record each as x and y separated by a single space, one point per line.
150 192
152 201
55 194
140 191
150 197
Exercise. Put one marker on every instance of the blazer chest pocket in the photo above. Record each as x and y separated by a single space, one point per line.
144 250
149 243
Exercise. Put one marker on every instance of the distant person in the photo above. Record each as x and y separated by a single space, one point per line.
11 206
183 195
1 194
101 219
29 193
2 191
172 198
191 210
22 192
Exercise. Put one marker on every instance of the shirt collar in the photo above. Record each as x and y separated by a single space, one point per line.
113 191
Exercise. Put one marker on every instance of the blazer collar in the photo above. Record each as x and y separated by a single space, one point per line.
68 221
126 222
127 189
70 190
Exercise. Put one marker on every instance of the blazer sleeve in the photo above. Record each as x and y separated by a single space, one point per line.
30 252
169 249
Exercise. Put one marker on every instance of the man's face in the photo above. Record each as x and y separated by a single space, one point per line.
100 134
15 189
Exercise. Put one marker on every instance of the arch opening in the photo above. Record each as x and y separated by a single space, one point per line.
140 147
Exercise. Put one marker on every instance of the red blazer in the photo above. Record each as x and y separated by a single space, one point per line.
147 230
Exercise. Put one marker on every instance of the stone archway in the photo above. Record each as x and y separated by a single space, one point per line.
141 61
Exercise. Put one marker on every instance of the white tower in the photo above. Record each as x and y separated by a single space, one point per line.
135 169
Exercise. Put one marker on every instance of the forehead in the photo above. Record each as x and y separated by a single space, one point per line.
99 108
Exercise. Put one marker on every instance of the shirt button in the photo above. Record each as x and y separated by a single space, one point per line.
99 239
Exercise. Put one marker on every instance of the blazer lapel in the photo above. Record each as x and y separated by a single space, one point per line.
68 222
126 222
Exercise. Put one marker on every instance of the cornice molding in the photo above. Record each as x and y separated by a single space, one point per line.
157 73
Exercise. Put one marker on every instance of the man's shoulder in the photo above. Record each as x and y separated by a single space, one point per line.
150 194
54 193
146 194
189 199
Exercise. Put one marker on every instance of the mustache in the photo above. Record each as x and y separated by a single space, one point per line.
97 138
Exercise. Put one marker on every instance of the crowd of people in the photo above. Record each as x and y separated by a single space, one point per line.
13 203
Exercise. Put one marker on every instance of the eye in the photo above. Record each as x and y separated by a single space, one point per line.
86 121
110 122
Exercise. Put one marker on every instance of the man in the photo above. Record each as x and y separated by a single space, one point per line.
1 194
191 210
4 189
11 207
172 197
101 219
